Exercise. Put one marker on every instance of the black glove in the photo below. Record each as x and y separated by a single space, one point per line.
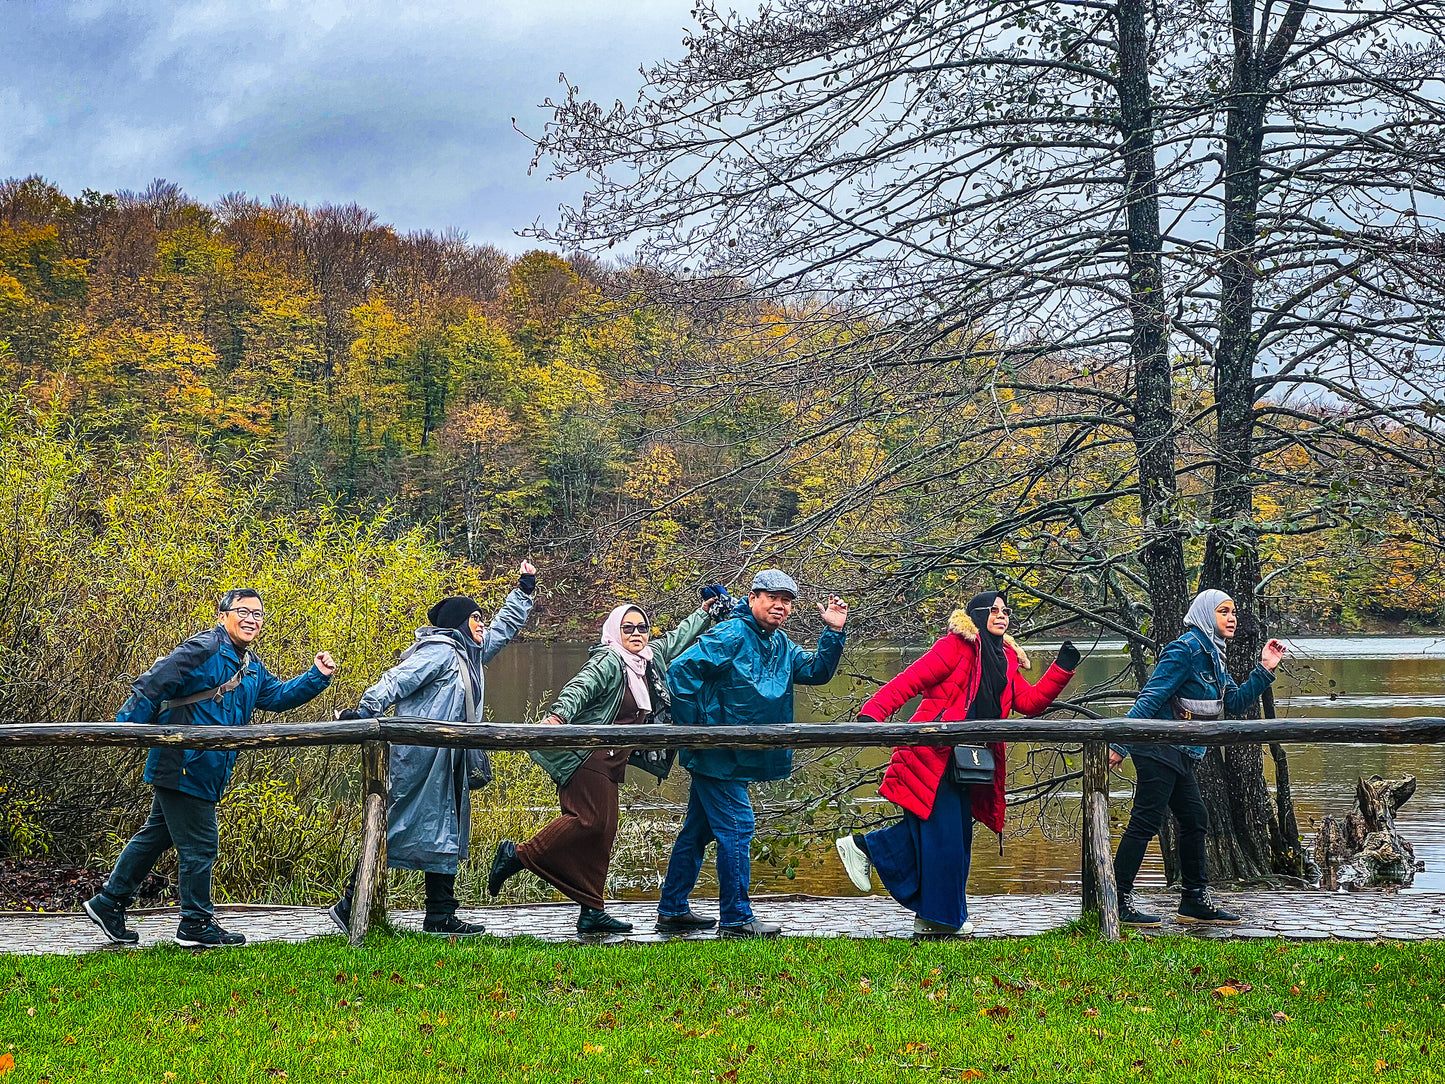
348 714
867 718
527 583
1068 656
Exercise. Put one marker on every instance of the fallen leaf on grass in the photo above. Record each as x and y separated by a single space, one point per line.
7 1063
971 1074
1294 990
588 1048
997 1012
1091 1012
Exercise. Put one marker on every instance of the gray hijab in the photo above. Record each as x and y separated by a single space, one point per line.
1201 617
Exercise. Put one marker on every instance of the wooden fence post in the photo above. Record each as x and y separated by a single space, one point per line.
369 906
1101 894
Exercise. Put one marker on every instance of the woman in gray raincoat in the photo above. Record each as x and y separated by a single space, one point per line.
429 811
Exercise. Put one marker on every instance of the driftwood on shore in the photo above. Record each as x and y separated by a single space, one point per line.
1365 849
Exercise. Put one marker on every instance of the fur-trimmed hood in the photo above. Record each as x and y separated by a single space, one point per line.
960 624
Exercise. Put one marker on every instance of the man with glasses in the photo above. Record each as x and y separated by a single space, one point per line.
739 673
213 679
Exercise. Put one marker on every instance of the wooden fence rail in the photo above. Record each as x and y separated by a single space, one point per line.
1100 893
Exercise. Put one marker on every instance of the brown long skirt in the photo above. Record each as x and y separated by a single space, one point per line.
573 850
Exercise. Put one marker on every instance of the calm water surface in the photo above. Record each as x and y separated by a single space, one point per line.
1381 677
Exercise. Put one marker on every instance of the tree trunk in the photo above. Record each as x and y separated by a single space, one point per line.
1245 839
1154 421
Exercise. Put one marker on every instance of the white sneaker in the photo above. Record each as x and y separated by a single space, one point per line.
855 862
923 928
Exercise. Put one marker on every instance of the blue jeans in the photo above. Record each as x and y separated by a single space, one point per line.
176 820
717 809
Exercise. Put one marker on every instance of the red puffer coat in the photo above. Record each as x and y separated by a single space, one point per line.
948 677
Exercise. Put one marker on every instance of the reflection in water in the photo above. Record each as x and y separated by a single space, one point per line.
1386 677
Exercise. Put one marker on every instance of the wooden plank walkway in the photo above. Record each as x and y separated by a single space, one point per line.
1311 916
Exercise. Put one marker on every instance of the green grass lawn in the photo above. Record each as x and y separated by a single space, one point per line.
1062 1006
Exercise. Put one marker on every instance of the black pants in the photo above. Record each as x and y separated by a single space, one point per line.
441 893
1163 787
177 820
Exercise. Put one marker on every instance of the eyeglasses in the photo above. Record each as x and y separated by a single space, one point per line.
639 630
1000 610
247 615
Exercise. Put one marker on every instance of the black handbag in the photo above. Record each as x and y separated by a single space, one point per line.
972 764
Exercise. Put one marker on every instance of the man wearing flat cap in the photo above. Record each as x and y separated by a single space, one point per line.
739 673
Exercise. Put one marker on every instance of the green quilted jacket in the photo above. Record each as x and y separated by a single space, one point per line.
594 696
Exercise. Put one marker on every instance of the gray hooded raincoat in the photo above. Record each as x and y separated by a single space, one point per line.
429 816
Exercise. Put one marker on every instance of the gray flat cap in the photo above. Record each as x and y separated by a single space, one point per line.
775 579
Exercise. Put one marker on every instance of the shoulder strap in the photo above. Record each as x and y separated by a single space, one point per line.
469 689
211 694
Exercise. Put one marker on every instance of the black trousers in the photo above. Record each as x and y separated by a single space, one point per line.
1162 787
441 893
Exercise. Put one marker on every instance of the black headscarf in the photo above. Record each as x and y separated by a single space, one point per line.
455 614
993 664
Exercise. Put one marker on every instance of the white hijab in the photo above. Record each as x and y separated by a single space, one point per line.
1201 617
635 665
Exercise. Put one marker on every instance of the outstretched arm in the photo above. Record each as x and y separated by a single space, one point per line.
278 695
405 678
1035 699
509 620
937 663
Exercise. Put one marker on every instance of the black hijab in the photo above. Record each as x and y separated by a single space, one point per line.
454 615
993 664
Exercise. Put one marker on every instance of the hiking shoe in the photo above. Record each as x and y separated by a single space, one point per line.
340 913
111 922
1132 914
687 922
206 935
755 928
922 927
504 867
451 926
1198 907
593 921
855 861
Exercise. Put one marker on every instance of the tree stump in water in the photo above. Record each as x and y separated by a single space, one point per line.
1365 850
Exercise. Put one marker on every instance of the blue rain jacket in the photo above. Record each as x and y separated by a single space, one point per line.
1191 668
203 662
738 674
429 814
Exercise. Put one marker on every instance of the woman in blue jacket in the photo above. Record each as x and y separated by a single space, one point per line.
1190 682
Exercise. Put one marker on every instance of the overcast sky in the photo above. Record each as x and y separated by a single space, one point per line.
403 108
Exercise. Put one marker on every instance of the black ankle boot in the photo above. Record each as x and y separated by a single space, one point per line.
504 867
1196 906
1132 914
592 921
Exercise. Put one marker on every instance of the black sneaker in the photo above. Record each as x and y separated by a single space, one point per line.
1197 907
451 926
340 913
1131 914
687 922
206 935
504 867
593 921
111 922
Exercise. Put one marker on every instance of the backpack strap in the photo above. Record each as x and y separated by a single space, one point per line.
215 694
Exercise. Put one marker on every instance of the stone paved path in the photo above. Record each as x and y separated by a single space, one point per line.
1292 915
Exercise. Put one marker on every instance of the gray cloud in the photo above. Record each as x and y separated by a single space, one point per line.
407 112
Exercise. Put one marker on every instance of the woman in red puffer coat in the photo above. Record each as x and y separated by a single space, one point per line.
972 673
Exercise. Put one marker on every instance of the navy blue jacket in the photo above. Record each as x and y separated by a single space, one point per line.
1191 668
738 674
203 662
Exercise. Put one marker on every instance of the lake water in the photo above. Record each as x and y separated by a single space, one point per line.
1382 677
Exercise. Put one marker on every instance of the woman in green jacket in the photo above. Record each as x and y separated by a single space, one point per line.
622 682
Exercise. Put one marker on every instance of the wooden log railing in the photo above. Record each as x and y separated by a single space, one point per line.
1100 894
